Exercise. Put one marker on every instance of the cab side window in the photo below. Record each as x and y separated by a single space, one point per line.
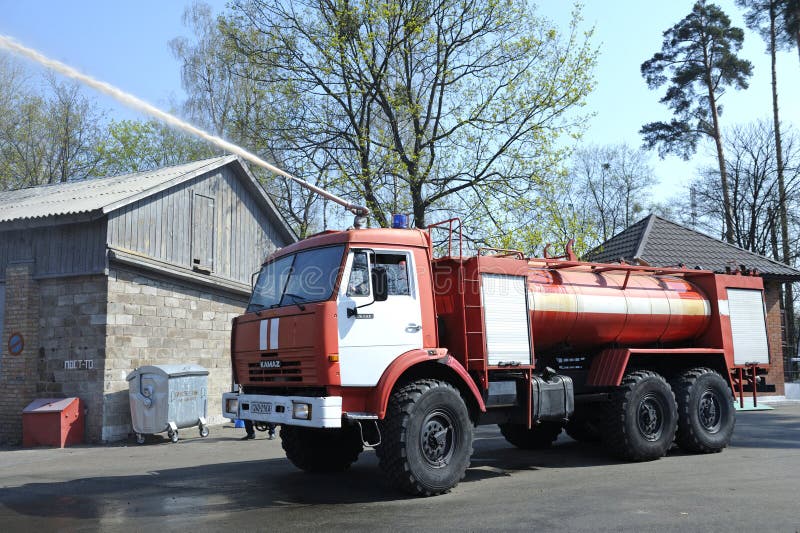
396 266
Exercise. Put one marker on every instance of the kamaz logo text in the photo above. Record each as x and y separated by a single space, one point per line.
271 364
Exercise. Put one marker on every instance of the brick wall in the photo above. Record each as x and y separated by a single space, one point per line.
154 321
18 373
72 329
774 336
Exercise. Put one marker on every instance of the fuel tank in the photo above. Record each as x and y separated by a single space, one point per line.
578 309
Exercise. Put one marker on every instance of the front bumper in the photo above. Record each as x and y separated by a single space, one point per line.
322 412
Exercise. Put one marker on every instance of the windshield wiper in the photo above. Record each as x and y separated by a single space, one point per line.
254 307
296 299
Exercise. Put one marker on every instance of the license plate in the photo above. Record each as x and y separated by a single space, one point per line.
262 408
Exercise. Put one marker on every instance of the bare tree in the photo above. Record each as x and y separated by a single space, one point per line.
46 135
611 185
752 167
73 124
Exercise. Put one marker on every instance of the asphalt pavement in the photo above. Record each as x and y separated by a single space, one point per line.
220 483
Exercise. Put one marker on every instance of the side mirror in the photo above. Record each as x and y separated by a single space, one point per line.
380 284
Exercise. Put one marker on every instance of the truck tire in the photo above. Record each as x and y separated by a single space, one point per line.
584 426
642 417
539 437
426 438
706 416
321 450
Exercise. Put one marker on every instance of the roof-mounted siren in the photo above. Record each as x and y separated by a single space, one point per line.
400 221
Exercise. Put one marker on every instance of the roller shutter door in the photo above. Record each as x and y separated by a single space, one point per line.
748 326
505 315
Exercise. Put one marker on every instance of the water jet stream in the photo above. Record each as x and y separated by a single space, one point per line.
133 102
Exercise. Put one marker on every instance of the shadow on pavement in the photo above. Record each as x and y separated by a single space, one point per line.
239 486
274 483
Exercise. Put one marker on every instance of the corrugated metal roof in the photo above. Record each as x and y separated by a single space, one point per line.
96 195
663 243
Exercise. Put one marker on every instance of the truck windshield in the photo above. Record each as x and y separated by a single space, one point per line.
307 276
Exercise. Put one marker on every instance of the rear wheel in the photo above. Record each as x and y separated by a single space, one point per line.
537 438
426 438
642 417
321 450
706 416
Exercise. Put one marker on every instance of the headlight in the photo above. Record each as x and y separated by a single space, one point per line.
301 411
231 405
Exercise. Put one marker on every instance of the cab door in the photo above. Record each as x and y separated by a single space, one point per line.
372 334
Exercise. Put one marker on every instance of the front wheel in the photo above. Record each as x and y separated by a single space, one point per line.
706 416
642 417
427 438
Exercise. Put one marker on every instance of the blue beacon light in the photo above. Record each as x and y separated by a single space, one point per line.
400 221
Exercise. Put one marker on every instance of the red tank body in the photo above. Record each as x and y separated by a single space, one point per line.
581 309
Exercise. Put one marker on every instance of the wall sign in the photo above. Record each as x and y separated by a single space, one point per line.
79 364
16 344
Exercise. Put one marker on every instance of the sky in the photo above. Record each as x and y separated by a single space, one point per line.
126 44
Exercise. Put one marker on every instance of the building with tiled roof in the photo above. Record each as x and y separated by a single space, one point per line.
660 242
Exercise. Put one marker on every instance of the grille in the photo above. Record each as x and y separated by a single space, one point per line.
294 369
288 371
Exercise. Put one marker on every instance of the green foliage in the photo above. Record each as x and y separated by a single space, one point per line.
697 62
759 14
789 13
137 146
440 109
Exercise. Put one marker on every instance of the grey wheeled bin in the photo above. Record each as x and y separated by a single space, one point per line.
168 398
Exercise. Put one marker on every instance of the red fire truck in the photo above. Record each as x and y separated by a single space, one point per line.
363 338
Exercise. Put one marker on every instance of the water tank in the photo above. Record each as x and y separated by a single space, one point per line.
573 310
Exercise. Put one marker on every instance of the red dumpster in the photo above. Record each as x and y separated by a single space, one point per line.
52 422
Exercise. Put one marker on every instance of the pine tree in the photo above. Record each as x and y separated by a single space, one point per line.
698 62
